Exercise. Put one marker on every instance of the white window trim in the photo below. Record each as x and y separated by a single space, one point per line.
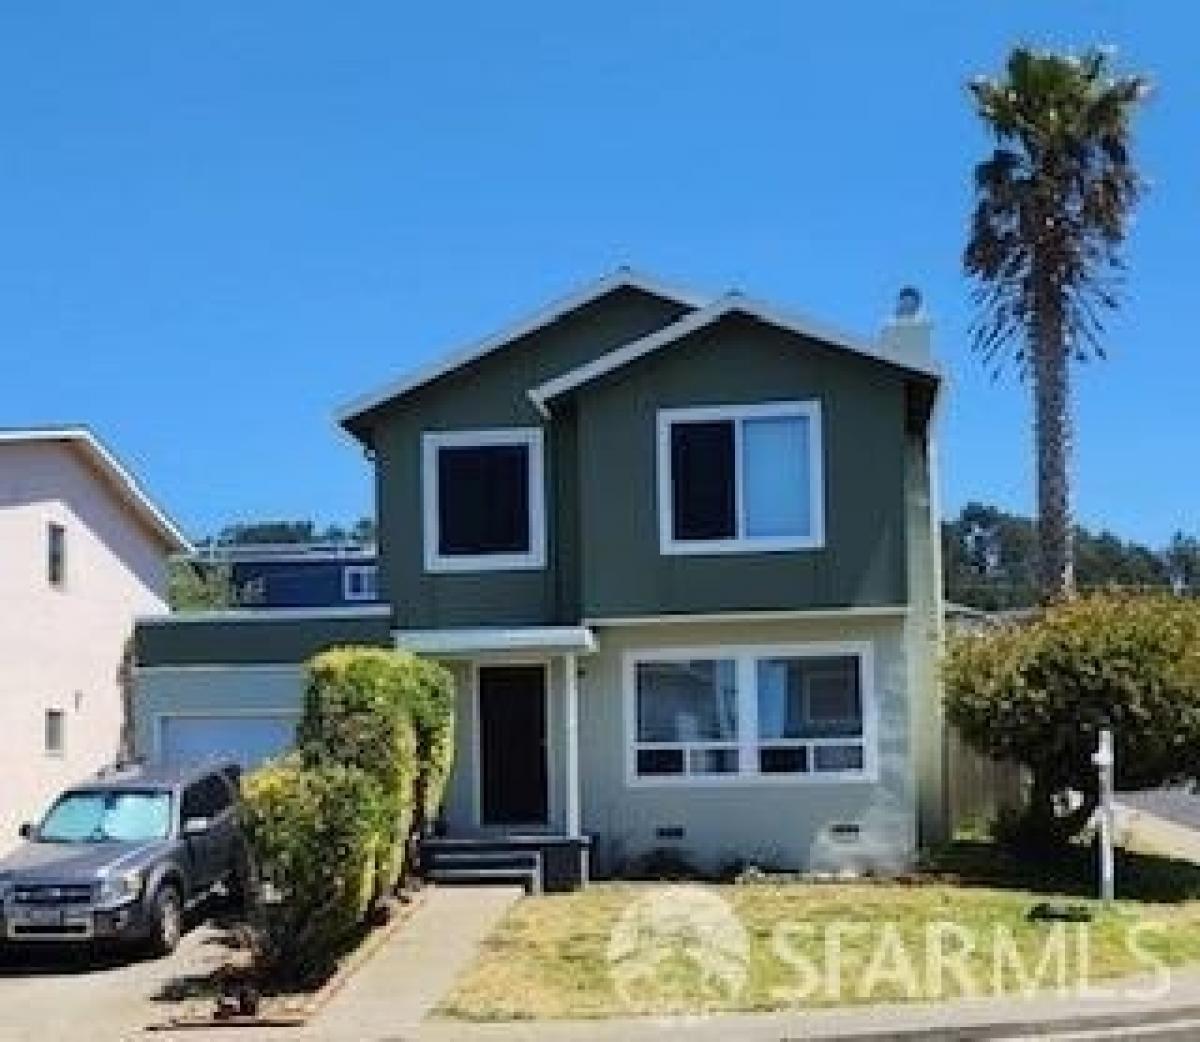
745 657
359 570
531 437
815 540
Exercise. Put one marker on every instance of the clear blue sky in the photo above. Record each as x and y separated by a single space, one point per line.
220 220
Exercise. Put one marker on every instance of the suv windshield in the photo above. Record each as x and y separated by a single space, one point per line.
96 815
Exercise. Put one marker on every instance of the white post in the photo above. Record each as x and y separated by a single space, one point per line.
571 724
1103 759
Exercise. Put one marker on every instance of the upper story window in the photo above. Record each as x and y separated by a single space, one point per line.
360 582
740 478
56 554
484 500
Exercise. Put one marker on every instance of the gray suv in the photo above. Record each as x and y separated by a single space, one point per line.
123 856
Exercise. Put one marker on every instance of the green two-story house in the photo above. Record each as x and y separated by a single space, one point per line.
680 554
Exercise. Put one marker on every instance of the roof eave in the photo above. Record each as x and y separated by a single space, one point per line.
351 416
110 468
733 303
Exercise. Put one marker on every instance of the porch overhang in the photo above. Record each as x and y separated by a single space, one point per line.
468 643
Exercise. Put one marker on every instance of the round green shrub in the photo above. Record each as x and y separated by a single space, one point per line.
312 836
1037 693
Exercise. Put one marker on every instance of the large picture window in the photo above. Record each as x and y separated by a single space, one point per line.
484 506
802 712
741 478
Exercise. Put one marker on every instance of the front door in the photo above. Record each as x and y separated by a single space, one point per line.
512 745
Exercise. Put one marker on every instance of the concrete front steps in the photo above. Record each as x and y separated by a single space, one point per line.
537 862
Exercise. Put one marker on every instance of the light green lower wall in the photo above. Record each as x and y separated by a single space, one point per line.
210 690
788 824
785 824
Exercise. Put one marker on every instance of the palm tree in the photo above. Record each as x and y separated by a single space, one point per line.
1052 206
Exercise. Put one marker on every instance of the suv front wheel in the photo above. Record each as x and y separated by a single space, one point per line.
166 918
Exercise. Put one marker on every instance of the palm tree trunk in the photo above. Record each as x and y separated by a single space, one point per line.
1052 431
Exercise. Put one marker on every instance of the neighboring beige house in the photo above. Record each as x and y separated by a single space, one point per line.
83 550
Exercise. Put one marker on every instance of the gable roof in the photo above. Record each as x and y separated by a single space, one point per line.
622 278
120 480
733 303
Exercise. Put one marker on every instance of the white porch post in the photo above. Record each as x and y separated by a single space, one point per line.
571 721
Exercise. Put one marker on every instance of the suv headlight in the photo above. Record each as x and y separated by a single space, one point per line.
124 886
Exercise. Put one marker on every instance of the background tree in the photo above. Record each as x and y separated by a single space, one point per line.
990 560
198 587
1052 204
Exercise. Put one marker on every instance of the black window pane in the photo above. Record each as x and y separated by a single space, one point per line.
714 761
483 500
702 480
660 761
219 793
783 760
193 802
839 757
56 554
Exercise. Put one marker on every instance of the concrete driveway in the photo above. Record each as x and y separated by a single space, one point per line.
48 994
1163 820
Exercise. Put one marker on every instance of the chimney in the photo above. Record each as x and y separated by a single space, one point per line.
908 334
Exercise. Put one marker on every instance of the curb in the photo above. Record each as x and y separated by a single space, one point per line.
1010 1029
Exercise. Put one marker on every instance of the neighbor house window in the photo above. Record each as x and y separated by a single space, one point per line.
741 478
56 732
751 713
360 582
484 502
56 554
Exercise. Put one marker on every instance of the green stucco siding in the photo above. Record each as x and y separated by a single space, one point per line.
739 361
492 392
236 641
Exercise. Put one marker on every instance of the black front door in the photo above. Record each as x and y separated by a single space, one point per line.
512 745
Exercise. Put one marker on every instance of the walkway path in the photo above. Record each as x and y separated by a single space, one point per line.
389 997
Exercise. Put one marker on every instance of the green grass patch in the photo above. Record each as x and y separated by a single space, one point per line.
629 948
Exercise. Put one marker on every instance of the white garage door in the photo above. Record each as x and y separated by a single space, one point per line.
247 739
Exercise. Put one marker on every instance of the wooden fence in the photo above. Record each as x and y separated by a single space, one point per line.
978 787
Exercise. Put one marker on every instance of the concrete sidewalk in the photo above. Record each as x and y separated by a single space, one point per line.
964 1019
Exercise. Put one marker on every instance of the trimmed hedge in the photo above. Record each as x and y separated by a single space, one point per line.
431 702
391 714
313 834
329 824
